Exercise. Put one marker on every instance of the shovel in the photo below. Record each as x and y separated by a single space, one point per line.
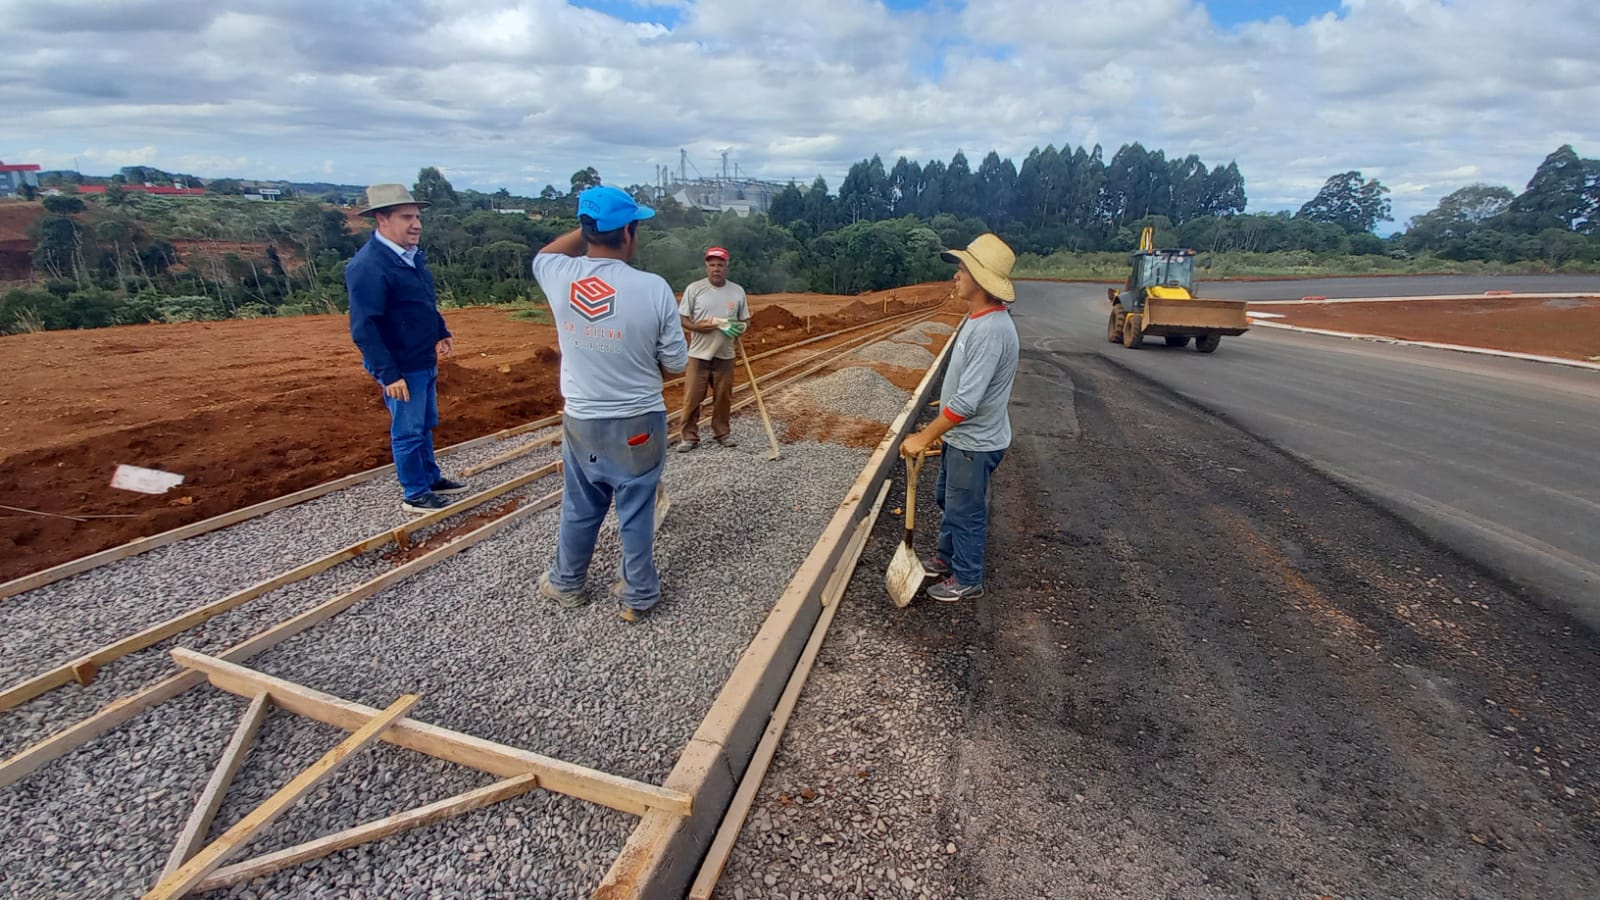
761 404
906 573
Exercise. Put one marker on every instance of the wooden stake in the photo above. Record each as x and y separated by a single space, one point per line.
361 834
193 835
604 788
178 883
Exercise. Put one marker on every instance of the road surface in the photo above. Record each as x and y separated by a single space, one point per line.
1398 286
1496 458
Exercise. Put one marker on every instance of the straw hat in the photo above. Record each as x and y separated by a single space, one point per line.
382 196
990 261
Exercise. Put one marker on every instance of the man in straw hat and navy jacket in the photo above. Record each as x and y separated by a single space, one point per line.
973 422
395 320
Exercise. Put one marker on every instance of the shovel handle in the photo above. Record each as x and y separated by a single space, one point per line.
913 472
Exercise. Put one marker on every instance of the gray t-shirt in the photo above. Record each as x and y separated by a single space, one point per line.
618 329
977 384
702 301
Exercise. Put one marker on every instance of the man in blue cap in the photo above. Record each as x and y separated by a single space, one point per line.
619 332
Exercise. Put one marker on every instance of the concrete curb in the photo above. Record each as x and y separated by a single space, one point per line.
1459 348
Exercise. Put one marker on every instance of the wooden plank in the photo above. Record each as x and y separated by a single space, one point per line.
179 883
716 858
84 668
650 863
361 834
606 789
122 710
193 835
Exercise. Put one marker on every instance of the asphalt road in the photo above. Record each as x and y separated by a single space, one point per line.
1495 458
1200 670
1389 286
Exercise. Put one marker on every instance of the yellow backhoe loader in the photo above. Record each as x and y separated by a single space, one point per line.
1159 299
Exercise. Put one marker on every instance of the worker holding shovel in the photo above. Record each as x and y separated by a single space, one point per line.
973 422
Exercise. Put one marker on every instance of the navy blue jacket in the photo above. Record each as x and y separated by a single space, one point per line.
394 311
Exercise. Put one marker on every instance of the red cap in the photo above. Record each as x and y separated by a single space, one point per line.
717 253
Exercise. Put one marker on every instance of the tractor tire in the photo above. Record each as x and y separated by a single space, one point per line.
1207 343
1114 327
1177 340
1133 331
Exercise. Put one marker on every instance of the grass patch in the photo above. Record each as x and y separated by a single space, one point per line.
1286 264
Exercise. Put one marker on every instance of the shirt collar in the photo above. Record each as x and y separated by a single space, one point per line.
993 309
406 256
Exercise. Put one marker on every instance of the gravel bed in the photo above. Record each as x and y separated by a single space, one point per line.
894 353
911 336
855 391
99 606
489 659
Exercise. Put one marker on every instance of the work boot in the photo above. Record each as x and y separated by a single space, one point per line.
625 612
728 442
566 599
448 486
937 566
686 446
952 591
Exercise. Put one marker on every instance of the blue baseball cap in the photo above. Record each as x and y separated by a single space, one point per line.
611 208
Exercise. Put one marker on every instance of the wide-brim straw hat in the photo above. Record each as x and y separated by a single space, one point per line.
990 261
382 196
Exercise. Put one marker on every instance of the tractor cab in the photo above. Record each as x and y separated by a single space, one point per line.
1163 274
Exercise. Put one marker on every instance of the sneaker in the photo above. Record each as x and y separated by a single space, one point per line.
448 486
686 446
937 566
427 503
952 591
566 599
727 442
625 612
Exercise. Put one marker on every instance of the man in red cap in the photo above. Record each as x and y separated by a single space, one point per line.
715 312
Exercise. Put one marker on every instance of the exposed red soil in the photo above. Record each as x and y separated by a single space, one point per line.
1566 327
251 410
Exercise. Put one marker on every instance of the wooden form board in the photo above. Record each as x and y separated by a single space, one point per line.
750 784
660 857
450 807
189 874
614 791
192 837
84 668
128 707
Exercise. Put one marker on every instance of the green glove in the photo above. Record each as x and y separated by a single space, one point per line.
734 328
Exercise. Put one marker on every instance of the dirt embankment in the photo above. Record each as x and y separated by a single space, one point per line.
1567 327
251 410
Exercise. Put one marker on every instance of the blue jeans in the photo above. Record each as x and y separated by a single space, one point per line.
411 424
963 495
610 460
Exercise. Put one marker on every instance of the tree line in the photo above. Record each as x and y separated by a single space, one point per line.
116 259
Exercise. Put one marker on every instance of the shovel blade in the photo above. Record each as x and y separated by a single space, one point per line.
905 577
663 503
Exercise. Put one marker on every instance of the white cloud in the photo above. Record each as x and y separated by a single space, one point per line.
1431 94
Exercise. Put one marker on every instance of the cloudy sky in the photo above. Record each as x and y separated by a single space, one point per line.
1427 95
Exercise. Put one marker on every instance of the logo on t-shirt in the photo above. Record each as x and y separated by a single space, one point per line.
593 298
